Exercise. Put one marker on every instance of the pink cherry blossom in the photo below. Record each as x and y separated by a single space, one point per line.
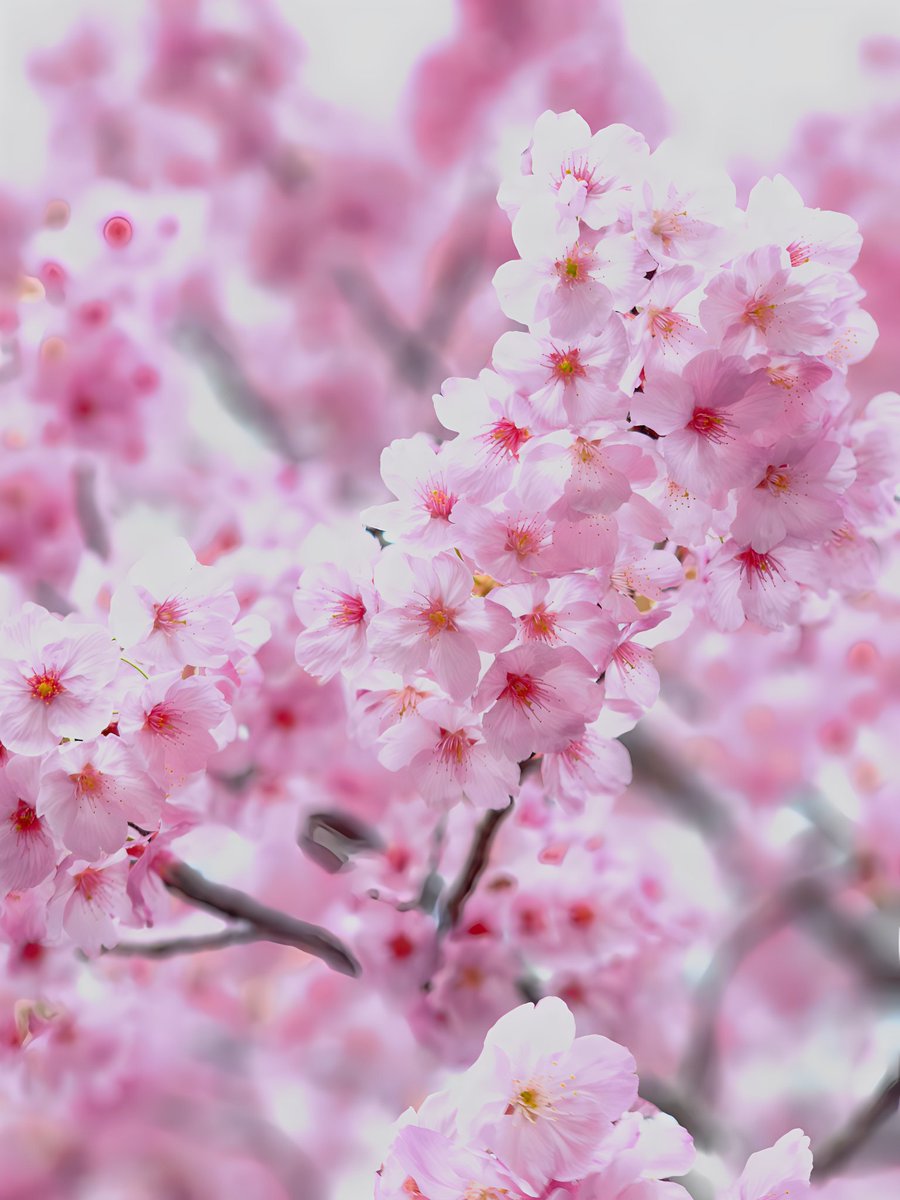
53 679
743 583
588 769
586 173
813 238
759 305
795 497
430 619
169 722
560 612
28 852
706 415
91 790
542 1098
536 698
89 901
424 480
171 611
446 752
336 606
567 382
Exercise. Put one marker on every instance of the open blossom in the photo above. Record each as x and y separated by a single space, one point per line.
430 620
542 1098
591 475
590 769
425 481
427 1164
53 680
28 852
560 612
496 422
336 607
169 721
91 790
706 415
536 698
814 238
745 584
568 284
683 216
444 747
567 381
796 496
665 331
758 305
89 901
584 174
172 612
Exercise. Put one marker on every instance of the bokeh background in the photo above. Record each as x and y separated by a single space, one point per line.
311 185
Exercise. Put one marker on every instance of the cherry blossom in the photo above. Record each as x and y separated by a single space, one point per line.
53 679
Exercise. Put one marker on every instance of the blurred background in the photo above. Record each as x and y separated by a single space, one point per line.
304 229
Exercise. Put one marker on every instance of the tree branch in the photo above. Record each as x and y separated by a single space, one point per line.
268 923
474 866
847 1142
237 936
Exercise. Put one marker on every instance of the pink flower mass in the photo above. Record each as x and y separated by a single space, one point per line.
448 605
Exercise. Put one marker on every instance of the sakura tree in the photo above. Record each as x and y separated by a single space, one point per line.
518 782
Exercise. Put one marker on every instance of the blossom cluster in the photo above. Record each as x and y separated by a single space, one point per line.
672 434
548 1115
103 730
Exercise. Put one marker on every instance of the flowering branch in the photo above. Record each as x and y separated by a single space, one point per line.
864 1123
268 923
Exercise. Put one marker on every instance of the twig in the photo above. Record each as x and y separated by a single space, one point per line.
474 867
847 1142
269 924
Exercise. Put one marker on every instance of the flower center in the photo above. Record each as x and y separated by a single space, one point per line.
566 364
525 692
46 687
169 614
710 424
574 267
777 480
761 314
540 625
762 567
89 780
24 819
799 252
505 438
531 1101
524 538
437 500
439 619
349 610
454 746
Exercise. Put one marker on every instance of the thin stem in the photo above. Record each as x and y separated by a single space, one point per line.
268 923
129 663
